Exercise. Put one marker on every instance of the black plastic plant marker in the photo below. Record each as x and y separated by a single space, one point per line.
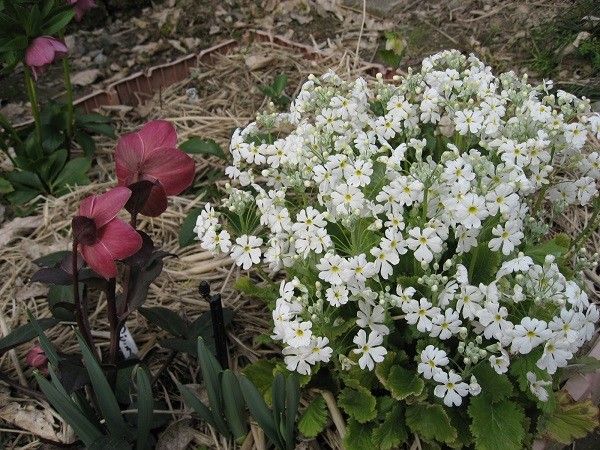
218 323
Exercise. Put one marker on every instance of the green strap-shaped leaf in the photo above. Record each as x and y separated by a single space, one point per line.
44 341
210 373
278 399
233 401
145 406
259 410
84 429
292 400
24 333
105 397
194 402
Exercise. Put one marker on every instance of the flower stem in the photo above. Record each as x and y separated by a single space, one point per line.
115 328
70 112
591 226
81 315
35 108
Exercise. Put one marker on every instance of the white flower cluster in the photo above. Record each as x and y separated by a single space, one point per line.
413 203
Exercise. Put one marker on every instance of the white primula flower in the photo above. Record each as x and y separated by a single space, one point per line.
246 251
500 362
214 241
371 317
493 318
451 388
432 361
508 237
345 199
333 269
299 333
445 324
337 295
420 313
370 349
556 354
538 387
528 334
468 121
424 243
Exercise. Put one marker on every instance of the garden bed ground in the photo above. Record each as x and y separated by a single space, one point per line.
228 97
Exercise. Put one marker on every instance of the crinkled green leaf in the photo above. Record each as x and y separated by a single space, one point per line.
198 146
494 386
403 383
496 426
570 420
314 418
358 436
358 403
391 432
430 422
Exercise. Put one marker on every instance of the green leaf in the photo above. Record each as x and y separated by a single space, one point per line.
570 420
260 373
186 232
314 418
358 403
292 400
92 118
24 333
74 173
198 146
391 433
165 319
84 429
44 341
259 410
358 436
496 426
233 402
430 422
145 406
210 373
250 288
58 22
525 363
86 142
279 84
494 386
26 179
103 128
199 408
5 186
107 403
403 383
557 246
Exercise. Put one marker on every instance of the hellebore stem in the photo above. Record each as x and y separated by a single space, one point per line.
35 108
115 328
81 315
70 113
218 323
127 275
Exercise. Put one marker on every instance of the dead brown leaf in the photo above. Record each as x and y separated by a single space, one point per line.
34 419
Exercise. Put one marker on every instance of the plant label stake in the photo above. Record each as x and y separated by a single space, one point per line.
218 323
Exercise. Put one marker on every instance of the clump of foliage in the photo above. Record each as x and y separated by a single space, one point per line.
411 223
42 153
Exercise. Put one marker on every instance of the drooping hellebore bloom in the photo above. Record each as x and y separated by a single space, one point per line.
81 7
36 358
103 238
151 154
43 51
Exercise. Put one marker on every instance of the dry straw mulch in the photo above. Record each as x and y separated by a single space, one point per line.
228 97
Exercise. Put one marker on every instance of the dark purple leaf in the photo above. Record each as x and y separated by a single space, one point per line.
140 191
51 259
52 275
142 256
